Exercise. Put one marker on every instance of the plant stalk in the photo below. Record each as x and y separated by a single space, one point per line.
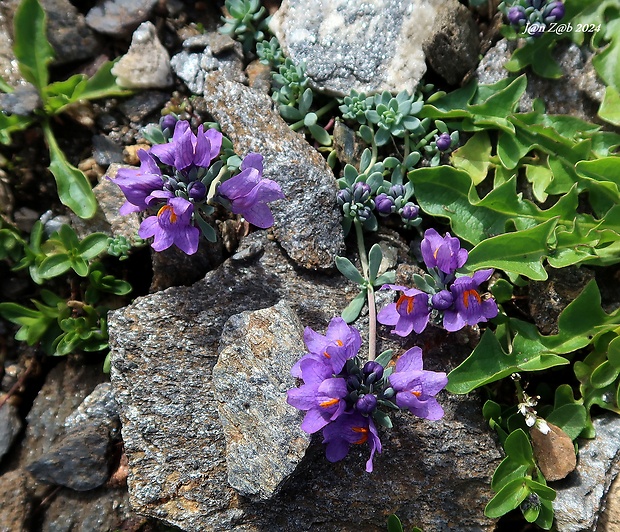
370 292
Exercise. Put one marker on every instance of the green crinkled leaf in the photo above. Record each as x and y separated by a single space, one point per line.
103 84
31 47
473 157
610 108
11 124
538 55
489 363
73 187
540 178
59 94
519 253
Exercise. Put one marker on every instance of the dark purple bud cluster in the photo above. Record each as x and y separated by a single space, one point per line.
531 18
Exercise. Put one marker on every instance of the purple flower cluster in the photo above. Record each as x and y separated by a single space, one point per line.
533 16
177 181
344 398
457 299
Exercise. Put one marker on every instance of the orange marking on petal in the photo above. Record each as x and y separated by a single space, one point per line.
406 299
470 293
339 343
326 354
364 432
416 393
173 216
330 402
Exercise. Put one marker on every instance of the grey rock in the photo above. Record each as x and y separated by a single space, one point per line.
579 93
65 387
205 53
390 56
307 222
452 50
10 426
146 65
102 509
78 460
99 408
139 107
119 17
106 151
17 502
547 299
264 441
347 144
68 33
579 496
164 347
23 101
9 69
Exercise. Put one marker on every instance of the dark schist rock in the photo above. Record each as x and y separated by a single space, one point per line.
164 348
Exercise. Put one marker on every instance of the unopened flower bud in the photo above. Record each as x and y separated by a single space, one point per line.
557 11
388 393
442 300
373 371
516 15
410 211
353 382
443 142
384 205
196 191
361 192
397 191
344 196
366 404
363 213
168 122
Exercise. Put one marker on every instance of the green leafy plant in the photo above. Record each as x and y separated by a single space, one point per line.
245 21
62 325
34 53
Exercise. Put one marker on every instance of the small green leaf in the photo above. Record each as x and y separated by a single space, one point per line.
604 375
507 499
103 84
385 278
502 291
394 524
31 47
347 268
610 108
54 265
544 492
353 309
385 357
74 189
382 418
206 229
570 418
320 135
79 266
93 245
375 256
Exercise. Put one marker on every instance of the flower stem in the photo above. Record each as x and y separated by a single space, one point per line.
319 113
370 292
214 184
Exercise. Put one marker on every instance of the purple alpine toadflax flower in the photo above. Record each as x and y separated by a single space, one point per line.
186 150
443 142
321 395
409 313
172 225
468 307
350 429
444 253
138 185
415 387
340 343
248 192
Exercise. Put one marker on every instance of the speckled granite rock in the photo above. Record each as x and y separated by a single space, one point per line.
326 35
10 426
164 348
264 441
17 503
119 17
580 496
307 222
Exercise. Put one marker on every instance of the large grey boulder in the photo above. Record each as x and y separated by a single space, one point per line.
376 46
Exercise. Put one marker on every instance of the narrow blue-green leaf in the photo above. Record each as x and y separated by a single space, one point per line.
353 309
73 187
385 357
375 256
31 47
348 269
